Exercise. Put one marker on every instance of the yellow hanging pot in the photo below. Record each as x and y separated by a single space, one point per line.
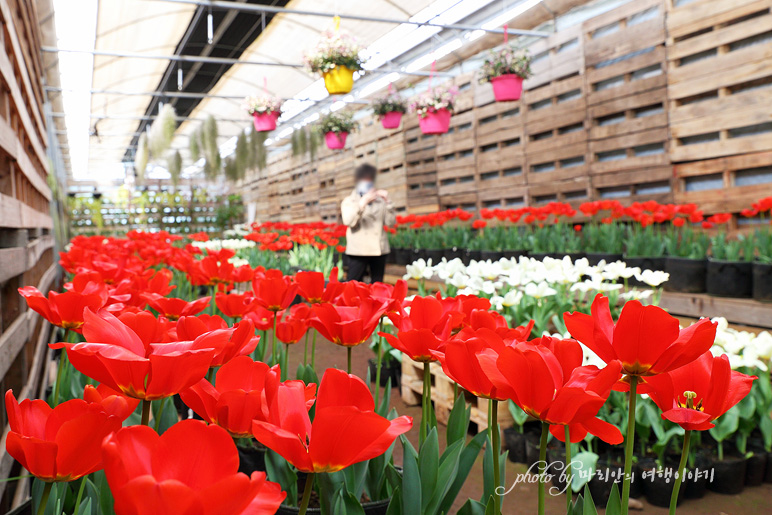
339 80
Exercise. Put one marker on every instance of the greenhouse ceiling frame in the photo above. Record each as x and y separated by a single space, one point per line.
266 9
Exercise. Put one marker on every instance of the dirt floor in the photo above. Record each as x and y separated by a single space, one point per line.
522 500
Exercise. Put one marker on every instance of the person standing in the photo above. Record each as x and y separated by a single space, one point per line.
365 212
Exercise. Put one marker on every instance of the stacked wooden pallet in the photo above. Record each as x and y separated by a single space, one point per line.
27 254
720 91
627 111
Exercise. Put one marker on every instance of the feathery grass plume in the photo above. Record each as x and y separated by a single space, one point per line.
258 155
209 148
242 155
174 164
230 167
194 146
162 131
141 158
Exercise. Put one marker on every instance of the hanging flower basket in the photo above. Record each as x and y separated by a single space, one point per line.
335 140
435 122
336 57
339 80
391 120
265 122
265 110
507 88
506 70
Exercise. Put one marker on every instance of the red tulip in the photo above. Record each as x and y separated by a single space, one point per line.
191 469
695 395
346 430
62 309
235 305
273 290
646 339
242 392
424 331
312 288
227 343
174 308
293 325
545 378
114 403
394 295
121 354
262 318
59 444
347 325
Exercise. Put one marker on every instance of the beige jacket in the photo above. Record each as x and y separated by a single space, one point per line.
365 235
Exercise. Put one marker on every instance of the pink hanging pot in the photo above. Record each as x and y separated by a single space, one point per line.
507 88
391 120
435 122
335 140
265 122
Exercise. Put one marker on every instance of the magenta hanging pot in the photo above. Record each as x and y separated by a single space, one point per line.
335 140
435 122
265 122
391 120
507 87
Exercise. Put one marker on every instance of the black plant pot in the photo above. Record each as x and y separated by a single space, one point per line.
596 257
602 481
469 255
644 263
658 486
514 254
417 254
556 467
394 372
435 255
391 258
491 255
452 253
696 485
514 441
729 278
251 459
768 472
686 275
762 281
729 475
756 468
531 451
370 507
539 256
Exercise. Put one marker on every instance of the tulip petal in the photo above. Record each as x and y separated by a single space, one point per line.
642 335
341 389
146 496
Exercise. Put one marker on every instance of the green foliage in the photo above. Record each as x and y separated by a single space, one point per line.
640 241
391 103
604 237
337 122
686 242
506 61
229 212
308 257
740 248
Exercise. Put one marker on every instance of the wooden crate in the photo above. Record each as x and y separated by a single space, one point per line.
726 184
720 58
574 191
556 57
443 395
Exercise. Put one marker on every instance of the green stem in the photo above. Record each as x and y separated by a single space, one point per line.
568 469
305 351
59 374
493 423
306 494
274 348
145 413
426 400
263 344
313 352
285 366
80 495
378 367
348 359
44 498
210 376
629 443
681 472
721 450
160 411
545 429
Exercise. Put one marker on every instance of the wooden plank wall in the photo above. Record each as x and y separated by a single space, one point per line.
656 99
26 239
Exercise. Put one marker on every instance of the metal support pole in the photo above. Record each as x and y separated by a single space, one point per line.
258 8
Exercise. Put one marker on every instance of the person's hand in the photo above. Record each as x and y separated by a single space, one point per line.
383 194
367 198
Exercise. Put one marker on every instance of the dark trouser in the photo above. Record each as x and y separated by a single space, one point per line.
358 265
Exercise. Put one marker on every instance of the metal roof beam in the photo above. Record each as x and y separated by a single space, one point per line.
268 9
220 60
